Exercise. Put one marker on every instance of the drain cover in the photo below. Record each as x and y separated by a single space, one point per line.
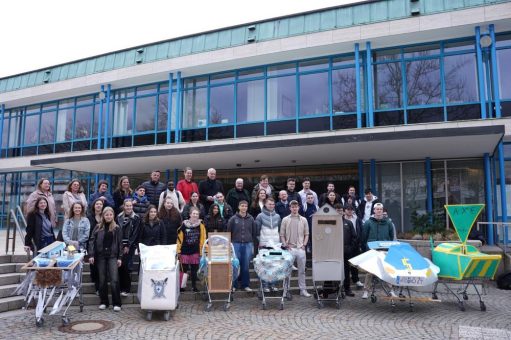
87 327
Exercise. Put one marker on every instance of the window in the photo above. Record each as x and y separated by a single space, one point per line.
163 104
14 129
423 82
344 90
83 119
145 113
221 105
388 86
47 127
281 98
123 114
5 130
250 101
65 124
504 67
195 108
31 130
314 94
388 184
414 191
460 78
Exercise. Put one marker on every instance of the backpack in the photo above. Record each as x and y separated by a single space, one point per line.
504 281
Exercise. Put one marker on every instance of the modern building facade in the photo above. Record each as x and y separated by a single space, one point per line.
409 97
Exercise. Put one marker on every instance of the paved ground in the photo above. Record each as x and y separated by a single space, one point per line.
356 319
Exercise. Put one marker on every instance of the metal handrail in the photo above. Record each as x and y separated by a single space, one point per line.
18 230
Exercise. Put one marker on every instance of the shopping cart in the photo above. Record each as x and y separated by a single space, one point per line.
158 281
219 267
274 266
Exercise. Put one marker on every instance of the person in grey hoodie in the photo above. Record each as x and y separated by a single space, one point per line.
268 224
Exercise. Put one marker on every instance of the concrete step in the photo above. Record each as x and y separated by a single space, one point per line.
5 258
8 268
10 278
6 290
11 303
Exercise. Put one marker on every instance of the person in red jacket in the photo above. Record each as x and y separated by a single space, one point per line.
186 186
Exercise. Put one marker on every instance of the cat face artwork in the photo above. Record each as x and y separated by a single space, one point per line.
159 288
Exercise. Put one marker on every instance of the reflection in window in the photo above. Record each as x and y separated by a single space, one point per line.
5 130
250 101
465 182
145 113
504 67
281 98
163 104
314 94
65 124
47 128
281 69
387 78
414 191
344 90
195 108
388 186
14 130
221 105
31 129
123 117
95 120
460 78
83 118
423 82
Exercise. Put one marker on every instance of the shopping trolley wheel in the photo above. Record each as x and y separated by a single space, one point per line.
289 296
338 305
412 307
208 307
343 295
166 315
402 296
259 294
281 307
149 315
204 296
373 298
264 306
320 304
482 306
461 306
40 322
227 306
81 308
65 321
465 296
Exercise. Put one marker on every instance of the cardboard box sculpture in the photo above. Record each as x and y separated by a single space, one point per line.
219 262
460 261
327 245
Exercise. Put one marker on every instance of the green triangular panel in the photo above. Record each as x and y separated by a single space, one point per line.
463 217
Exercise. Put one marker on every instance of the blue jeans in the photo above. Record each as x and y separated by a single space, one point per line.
244 253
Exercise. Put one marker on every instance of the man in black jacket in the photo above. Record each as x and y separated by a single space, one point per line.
366 207
154 188
208 188
237 194
350 244
357 249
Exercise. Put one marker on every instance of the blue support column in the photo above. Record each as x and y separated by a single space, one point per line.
372 172
360 178
495 74
175 177
503 199
357 84
480 76
489 203
179 95
100 118
169 109
429 187
167 175
2 110
369 68
107 116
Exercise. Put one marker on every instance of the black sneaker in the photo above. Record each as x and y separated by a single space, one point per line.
349 293
195 290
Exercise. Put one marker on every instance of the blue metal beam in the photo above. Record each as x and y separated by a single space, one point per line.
489 203
372 172
107 118
179 111
169 108
100 118
502 173
357 84
360 178
2 110
480 76
369 68
175 177
495 73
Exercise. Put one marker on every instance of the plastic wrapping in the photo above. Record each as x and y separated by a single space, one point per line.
273 265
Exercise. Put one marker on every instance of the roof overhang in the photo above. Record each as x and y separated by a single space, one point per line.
437 141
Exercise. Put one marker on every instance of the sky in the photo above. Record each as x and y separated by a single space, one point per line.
37 34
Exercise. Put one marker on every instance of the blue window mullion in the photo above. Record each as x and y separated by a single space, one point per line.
442 81
100 116
404 90
297 99
235 99
495 73
2 110
134 120
330 94
169 108
370 85
357 84
480 76
179 104
208 102
265 100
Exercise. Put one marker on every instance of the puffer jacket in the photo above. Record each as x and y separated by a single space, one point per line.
268 224
83 231
376 230
153 191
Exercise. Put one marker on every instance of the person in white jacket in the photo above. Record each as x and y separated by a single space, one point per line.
176 196
73 194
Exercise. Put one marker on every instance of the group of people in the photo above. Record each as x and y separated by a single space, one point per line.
110 226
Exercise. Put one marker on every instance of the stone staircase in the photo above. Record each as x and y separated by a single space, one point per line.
11 275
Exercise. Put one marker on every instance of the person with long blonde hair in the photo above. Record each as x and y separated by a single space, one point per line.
106 253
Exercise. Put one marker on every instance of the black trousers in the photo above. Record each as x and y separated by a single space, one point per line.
107 267
125 273
193 268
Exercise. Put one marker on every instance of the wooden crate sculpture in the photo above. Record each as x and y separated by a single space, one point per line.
219 262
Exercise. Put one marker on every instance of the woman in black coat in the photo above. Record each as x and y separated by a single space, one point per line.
39 227
170 219
214 220
151 228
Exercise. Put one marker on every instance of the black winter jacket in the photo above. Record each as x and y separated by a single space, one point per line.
153 191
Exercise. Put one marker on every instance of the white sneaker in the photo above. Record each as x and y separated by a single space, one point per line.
102 307
365 295
359 284
117 308
266 290
247 289
393 294
305 293
124 294
274 289
294 268
233 289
